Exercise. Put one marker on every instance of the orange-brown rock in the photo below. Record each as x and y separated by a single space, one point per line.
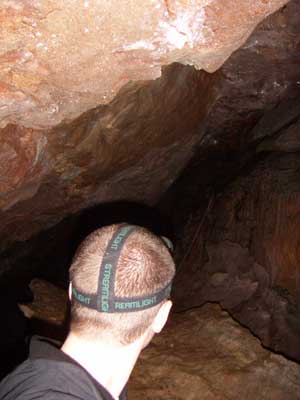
203 354
59 58
238 216
131 149
123 150
246 254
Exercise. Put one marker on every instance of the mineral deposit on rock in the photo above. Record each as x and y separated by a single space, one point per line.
60 58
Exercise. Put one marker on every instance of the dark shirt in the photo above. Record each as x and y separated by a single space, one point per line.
51 374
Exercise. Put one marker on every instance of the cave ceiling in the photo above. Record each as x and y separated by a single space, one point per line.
61 58
99 106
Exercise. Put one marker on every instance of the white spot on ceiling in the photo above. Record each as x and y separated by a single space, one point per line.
140 44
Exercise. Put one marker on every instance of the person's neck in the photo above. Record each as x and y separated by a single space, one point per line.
109 364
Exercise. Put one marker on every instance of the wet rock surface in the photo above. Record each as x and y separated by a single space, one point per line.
204 354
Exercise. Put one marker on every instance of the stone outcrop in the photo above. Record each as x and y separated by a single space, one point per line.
60 58
246 254
204 354
131 149
238 221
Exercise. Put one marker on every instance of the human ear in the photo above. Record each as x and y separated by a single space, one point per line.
162 316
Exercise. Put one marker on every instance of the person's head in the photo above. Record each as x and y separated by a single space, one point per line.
139 276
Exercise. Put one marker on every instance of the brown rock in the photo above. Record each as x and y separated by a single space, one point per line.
204 354
122 151
239 203
50 302
48 312
247 255
259 81
59 59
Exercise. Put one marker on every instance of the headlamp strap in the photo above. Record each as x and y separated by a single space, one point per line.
106 282
105 300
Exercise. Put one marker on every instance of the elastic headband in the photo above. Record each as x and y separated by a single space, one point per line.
105 300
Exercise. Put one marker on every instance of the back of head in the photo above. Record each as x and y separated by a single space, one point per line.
144 269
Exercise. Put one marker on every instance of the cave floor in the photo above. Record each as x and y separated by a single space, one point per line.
202 354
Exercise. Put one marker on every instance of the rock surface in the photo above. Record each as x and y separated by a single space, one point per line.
50 302
132 149
246 254
123 150
203 354
259 84
61 58
236 227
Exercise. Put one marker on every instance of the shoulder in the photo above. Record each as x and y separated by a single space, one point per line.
49 380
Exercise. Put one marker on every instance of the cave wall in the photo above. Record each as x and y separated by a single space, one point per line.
246 253
238 224
261 76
